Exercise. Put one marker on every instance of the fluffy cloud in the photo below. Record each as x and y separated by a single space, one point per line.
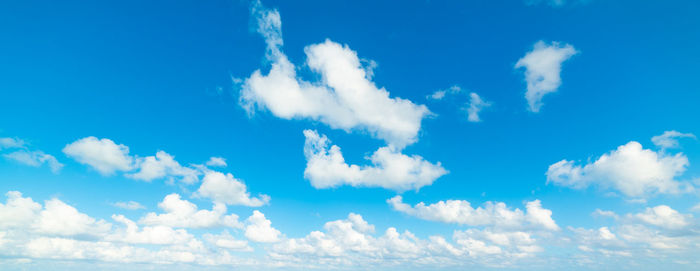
180 213
162 165
326 167
59 231
655 232
663 216
630 169
669 139
35 159
259 229
542 68
345 98
496 215
61 219
156 235
351 242
103 155
475 105
216 162
224 188
18 211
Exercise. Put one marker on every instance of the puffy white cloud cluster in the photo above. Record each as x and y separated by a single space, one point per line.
542 70
224 188
107 157
345 97
56 230
23 155
492 214
326 167
103 155
656 232
630 169
352 242
259 229
184 214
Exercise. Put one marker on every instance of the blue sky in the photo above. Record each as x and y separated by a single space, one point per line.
518 135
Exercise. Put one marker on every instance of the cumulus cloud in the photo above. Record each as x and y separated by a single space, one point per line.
496 215
18 211
59 218
163 165
58 231
663 216
224 188
656 231
630 169
216 162
35 159
390 169
352 242
474 106
345 97
669 139
542 70
259 229
157 235
103 155
181 213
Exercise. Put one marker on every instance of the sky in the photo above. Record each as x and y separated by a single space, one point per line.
349 135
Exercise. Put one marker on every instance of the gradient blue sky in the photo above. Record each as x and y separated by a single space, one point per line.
164 75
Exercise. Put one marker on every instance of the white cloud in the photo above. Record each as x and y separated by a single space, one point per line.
669 139
657 232
496 215
216 162
440 94
475 105
157 235
259 229
11 143
181 213
602 213
542 70
162 165
35 159
227 241
634 171
663 216
345 98
129 205
59 231
18 211
224 188
103 155
59 218
390 169
351 242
